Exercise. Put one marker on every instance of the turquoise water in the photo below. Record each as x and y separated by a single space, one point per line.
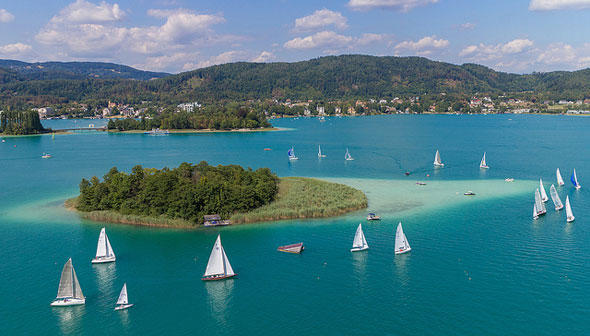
479 265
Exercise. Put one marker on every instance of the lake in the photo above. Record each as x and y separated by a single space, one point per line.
479 265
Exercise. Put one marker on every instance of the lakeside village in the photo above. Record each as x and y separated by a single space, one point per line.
274 108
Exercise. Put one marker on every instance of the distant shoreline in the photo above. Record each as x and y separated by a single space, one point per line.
298 198
206 130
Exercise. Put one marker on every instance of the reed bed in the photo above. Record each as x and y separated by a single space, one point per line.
301 197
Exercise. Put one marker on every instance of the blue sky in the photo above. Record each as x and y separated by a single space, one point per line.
179 35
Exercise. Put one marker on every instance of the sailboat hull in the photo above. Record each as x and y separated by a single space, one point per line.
102 260
217 277
357 249
571 219
125 306
439 164
67 302
403 251
484 167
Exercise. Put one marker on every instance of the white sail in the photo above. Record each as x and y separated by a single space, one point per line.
347 156
359 241
568 210
574 180
218 263
483 163
103 248
559 178
555 198
401 243
123 300
544 197
437 161
319 151
535 216
539 203
69 287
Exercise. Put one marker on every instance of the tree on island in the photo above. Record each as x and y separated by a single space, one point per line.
188 192
20 122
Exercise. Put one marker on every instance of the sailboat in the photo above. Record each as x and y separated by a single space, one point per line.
539 205
483 164
555 198
568 210
69 292
347 156
401 242
320 155
291 154
123 301
574 179
104 251
559 178
544 197
437 161
359 243
218 266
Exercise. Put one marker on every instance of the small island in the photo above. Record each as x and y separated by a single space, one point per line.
15 122
182 196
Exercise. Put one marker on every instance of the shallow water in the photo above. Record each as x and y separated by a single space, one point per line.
479 265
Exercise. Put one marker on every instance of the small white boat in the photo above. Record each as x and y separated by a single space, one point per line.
359 243
401 242
347 156
46 156
69 292
559 178
104 251
539 205
510 179
123 301
437 161
218 267
544 197
320 155
291 154
372 216
568 210
483 164
574 179
555 198
157 132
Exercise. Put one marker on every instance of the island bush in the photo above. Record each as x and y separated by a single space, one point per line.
179 195
223 119
20 123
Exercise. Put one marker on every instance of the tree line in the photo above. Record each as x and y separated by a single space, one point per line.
20 123
187 192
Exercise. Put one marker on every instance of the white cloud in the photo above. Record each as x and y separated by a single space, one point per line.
547 5
264 57
83 11
320 19
402 5
467 26
424 46
369 38
5 16
160 63
557 53
485 52
181 29
15 49
226 57
319 40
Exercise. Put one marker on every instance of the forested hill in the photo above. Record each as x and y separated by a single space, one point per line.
332 77
71 70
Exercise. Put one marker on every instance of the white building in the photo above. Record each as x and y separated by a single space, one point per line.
188 107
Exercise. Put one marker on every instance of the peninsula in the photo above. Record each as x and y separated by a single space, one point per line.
182 196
